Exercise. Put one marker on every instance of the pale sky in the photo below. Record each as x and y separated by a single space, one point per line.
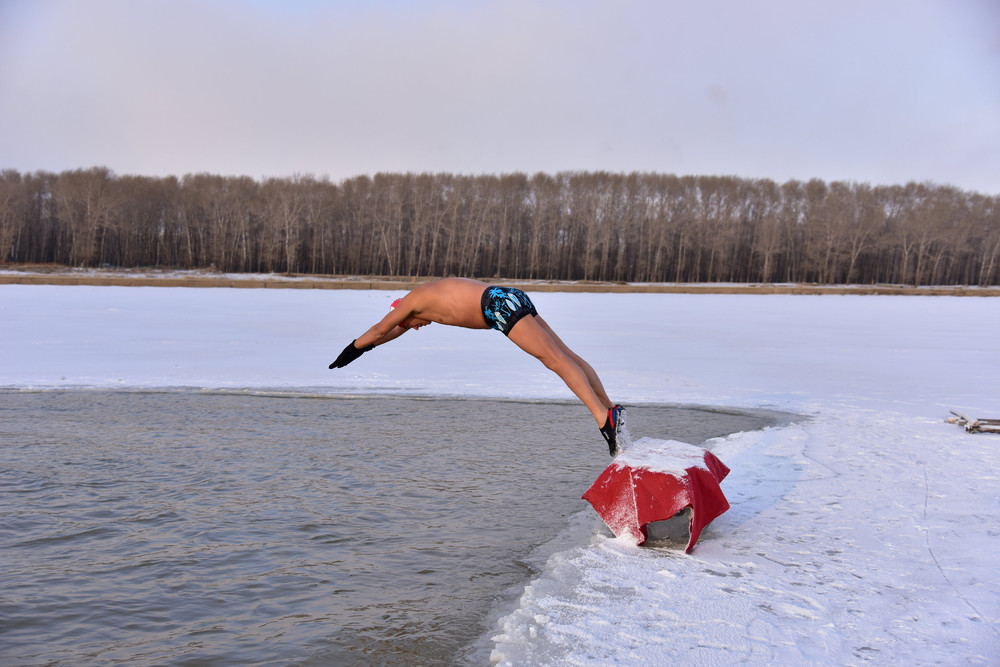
877 91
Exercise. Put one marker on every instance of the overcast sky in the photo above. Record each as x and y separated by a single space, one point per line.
878 91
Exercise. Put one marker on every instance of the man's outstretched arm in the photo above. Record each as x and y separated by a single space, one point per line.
377 335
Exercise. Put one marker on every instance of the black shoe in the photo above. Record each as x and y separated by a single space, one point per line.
612 426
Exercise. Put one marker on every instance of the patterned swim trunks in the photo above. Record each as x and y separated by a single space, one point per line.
503 307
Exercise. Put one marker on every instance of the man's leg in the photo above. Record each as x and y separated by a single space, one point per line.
532 335
595 381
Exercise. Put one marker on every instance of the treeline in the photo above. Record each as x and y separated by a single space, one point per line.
636 227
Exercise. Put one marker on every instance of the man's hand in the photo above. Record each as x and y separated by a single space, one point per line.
349 354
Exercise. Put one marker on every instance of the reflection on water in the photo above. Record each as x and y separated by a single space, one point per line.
186 527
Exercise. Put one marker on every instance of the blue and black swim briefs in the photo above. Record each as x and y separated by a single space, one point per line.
503 307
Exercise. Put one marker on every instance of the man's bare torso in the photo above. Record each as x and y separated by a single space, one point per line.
453 301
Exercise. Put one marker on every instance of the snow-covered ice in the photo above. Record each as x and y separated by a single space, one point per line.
867 531
666 456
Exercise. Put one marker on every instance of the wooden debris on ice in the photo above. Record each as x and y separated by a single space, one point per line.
974 425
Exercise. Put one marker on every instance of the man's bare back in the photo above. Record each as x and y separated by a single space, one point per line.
452 301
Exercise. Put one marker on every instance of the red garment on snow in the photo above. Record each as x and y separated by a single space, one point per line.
655 479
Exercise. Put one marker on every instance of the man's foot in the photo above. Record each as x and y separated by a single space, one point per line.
612 427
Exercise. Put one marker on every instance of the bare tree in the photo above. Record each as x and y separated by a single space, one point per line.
572 225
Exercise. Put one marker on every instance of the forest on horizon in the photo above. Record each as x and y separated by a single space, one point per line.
638 227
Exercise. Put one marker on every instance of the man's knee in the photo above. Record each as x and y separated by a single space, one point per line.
557 362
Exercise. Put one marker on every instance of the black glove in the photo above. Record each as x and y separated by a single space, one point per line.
349 354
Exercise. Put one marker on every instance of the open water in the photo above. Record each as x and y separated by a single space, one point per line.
235 528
